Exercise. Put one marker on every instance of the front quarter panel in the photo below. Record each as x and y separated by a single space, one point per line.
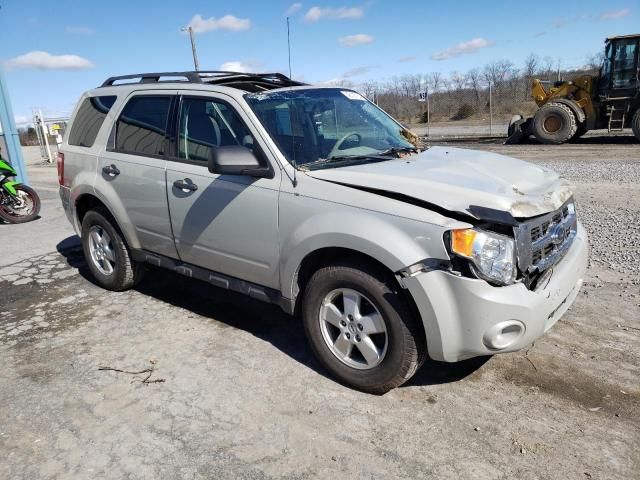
316 215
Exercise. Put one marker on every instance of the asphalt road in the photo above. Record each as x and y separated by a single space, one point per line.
241 395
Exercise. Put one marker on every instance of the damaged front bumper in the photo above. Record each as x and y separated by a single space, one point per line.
465 317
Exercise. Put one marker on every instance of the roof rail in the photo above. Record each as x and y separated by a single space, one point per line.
205 76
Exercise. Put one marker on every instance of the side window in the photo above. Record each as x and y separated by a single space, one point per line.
142 125
624 71
205 124
89 119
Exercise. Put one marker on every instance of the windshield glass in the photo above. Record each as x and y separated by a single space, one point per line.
313 127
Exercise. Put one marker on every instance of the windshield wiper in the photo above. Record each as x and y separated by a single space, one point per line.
338 158
396 150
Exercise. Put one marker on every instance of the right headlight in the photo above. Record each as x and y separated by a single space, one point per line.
492 255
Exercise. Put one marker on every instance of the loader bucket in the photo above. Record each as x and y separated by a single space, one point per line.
518 131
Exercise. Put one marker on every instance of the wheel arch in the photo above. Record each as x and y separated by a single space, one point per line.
90 200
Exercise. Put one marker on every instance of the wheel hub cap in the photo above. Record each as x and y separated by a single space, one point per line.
353 328
101 250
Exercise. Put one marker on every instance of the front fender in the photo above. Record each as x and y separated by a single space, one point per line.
10 187
395 242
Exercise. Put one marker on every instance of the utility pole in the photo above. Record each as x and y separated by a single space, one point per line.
193 46
289 45
490 110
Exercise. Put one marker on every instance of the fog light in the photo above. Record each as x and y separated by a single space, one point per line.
503 335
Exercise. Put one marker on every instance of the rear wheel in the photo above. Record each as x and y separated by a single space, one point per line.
24 207
106 252
554 123
635 124
362 328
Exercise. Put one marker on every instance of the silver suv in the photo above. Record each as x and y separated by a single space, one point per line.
318 201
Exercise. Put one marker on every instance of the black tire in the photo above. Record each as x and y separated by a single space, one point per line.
580 131
554 123
635 124
126 271
514 125
9 216
406 344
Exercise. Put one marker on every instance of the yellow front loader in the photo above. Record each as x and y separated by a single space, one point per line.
569 109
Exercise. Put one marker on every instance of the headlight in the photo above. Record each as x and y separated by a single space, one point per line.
492 255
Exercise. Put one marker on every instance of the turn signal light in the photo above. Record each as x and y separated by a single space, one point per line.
462 241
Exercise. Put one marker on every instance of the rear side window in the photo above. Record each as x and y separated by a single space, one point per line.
142 125
89 119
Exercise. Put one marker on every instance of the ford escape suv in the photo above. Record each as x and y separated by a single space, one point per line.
318 201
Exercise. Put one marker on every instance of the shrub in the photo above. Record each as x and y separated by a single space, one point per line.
465 111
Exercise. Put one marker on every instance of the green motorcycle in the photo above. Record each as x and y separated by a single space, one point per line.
18 203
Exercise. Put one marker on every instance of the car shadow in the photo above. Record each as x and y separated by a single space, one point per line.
262 320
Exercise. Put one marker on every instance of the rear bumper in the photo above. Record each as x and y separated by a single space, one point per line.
466 317
65 197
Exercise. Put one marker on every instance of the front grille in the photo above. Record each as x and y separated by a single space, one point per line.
542 241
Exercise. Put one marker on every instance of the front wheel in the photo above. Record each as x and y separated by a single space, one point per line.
21 208
362 328
554 123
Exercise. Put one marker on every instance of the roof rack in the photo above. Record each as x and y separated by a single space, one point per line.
206 76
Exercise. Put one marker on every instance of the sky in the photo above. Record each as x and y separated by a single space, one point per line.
52 52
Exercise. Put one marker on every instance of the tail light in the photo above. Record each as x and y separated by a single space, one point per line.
60 163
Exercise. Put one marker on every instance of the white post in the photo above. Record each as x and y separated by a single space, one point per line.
45 134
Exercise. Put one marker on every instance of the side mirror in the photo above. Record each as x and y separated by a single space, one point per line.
236 160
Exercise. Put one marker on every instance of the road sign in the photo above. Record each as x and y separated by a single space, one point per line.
422 96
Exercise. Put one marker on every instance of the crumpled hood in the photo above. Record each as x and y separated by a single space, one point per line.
455 178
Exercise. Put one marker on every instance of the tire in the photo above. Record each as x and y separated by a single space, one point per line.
635 124
405 346
9 215
126 272
554 123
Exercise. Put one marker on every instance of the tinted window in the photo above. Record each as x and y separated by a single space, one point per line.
624 70
142 125
88 120
205 124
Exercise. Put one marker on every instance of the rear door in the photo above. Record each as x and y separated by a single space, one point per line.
132 169
226 223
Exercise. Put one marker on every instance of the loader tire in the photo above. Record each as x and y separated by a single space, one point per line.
554 123
635 124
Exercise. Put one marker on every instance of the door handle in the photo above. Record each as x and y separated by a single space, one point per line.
111 170
185 185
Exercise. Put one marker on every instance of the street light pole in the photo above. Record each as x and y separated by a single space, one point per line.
193 46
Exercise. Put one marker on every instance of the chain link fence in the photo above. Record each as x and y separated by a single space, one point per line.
479 103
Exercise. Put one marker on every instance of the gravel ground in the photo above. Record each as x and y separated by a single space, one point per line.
243 397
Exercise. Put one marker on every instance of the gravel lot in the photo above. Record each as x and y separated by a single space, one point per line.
242 396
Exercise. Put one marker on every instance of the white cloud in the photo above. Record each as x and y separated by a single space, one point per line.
239 66
408 58
462 48
46 61
614 14
293 8
22 120
228 22
354 40
343 13
80 30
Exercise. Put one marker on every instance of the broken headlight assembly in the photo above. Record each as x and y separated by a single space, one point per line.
491 256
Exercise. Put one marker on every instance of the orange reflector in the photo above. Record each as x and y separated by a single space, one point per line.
462 241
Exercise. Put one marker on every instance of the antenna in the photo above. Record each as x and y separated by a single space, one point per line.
289 45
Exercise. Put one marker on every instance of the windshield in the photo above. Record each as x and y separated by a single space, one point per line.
313 127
